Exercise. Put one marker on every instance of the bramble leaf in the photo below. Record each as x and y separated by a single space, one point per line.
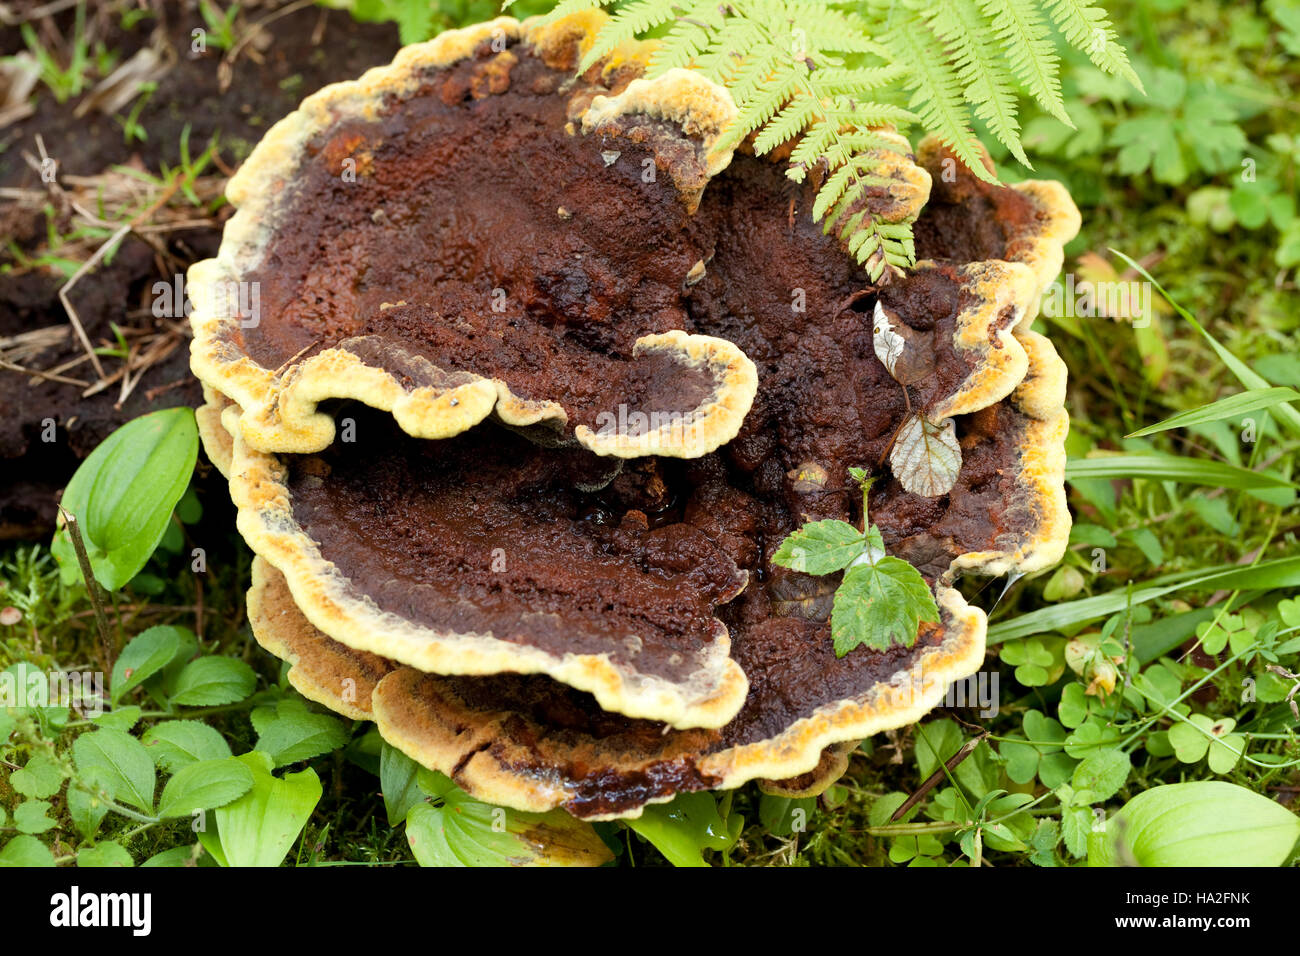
821 547
880 603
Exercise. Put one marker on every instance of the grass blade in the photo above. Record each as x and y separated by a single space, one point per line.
1247 376
1190 471
1267 575
1230 407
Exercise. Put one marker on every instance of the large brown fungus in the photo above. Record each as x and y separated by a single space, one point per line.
538 378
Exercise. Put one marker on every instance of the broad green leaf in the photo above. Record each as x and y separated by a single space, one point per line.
295 733
1206 823
784 816
686 826
1102 774
879 604
25 851
40 778
260 828
820 547
174 744
121 762
176 856
145 655
204 785
457 830
123 494
398 781
107 853
1234 406
926 457
119 718
1196 471
211 681
87 810
1076 824
31 816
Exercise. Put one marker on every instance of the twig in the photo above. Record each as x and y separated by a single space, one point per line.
67 303
37 373
92 586
949 765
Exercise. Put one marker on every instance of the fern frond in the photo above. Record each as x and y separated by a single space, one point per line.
937 94
632 19
730 50
1086 27
1020 27
794 117
696 24
854 172
860 79
564 7
754 71
983 74
759 109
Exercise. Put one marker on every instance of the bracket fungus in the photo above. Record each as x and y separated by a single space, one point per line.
593 369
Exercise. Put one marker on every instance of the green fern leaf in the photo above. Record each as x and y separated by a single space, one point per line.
1086 28
937 94
987 83
759 109
695 27
635 18
1029 50
793 118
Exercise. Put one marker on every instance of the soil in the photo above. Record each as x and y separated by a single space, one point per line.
304 51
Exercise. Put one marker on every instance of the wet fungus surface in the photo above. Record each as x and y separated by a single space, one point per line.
540 379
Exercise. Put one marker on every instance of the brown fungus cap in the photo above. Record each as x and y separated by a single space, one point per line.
488 553
472 231
645 274
438 240
534 744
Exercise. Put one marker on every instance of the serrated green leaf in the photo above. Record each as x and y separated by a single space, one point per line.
879 604
120 762
31 816
820 547
40 778
25 851
212 681
145 655
105 854
295 733
204 785
174 744
1102 774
